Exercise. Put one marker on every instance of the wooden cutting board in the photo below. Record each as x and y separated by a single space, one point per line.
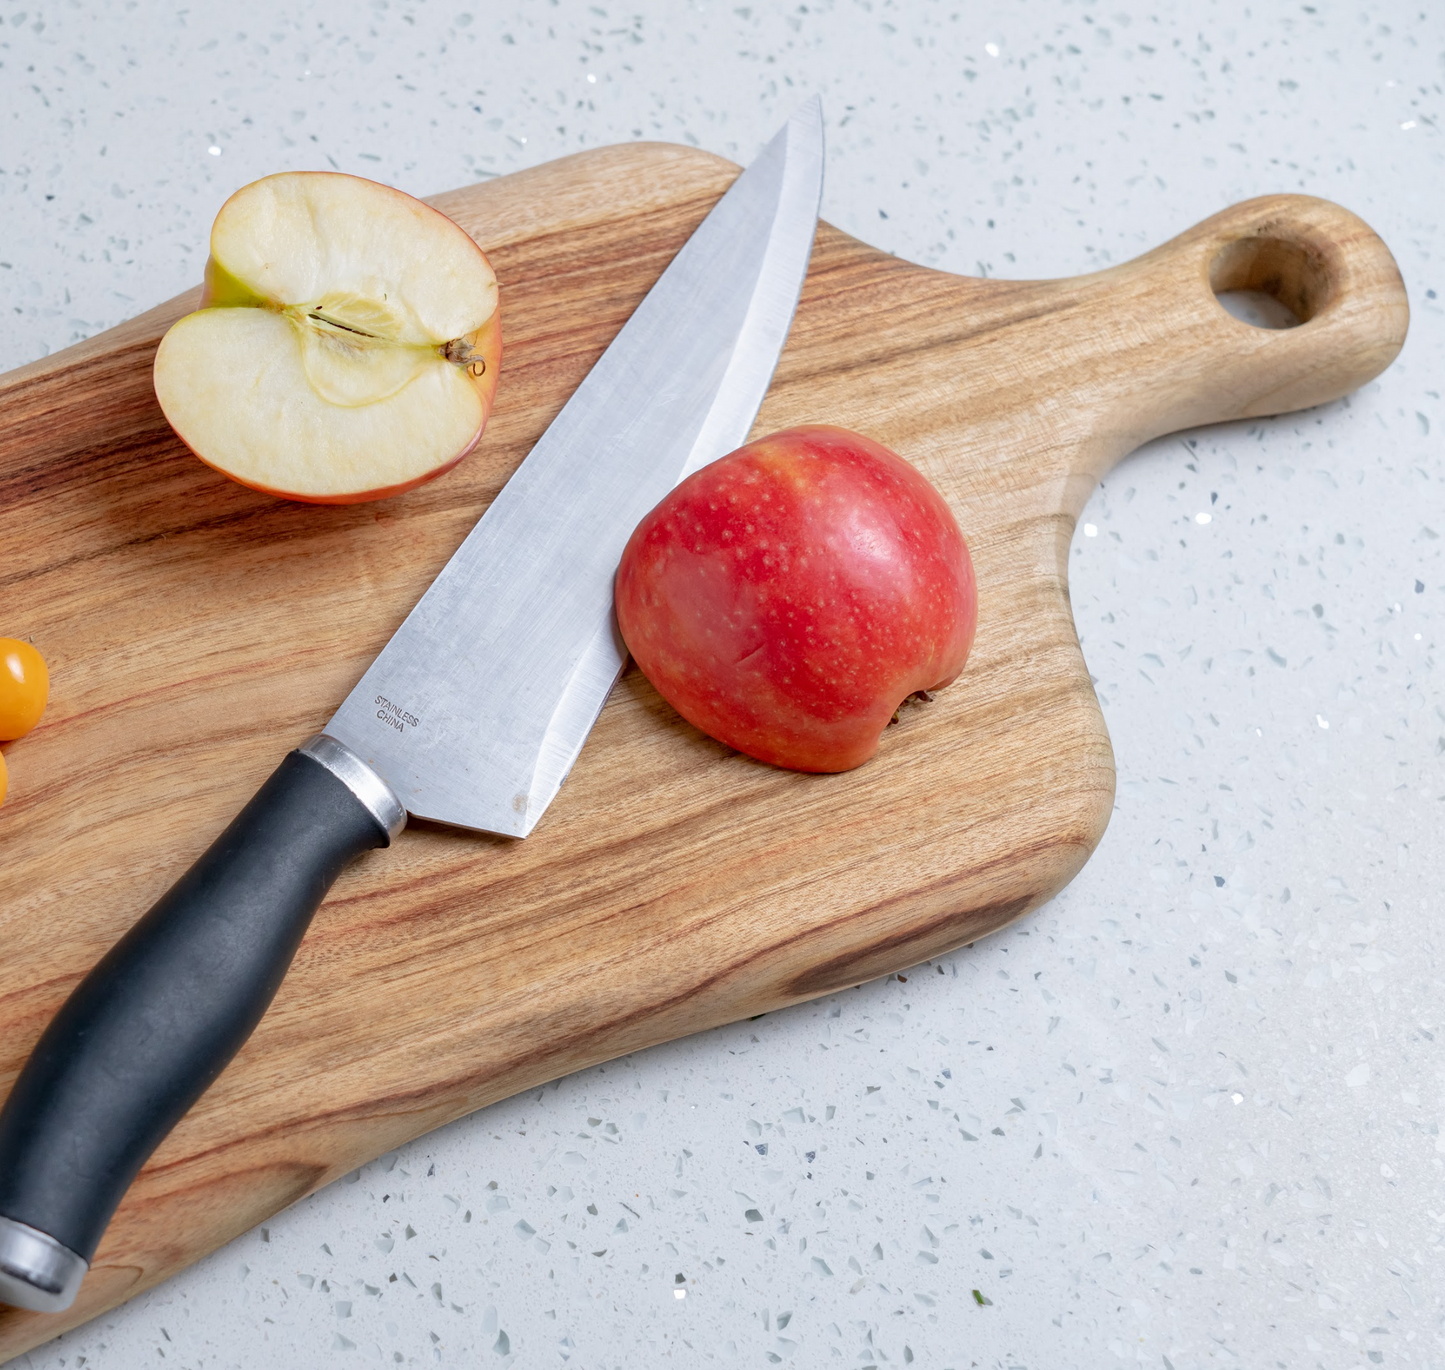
196 630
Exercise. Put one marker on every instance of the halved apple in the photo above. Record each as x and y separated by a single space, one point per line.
347 345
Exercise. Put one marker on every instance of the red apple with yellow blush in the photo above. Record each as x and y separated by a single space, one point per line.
787 598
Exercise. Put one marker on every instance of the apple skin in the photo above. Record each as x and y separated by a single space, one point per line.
787 598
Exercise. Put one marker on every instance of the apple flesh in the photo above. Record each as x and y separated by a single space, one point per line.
347 345
789 597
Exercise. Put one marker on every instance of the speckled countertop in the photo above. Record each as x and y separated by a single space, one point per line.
1188 1114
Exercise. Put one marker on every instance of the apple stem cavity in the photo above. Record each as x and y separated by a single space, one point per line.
922 696
459 351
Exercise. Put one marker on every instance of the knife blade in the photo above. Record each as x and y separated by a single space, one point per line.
472 715
478 706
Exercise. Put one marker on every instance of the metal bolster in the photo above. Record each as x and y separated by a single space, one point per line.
378 797
36 1271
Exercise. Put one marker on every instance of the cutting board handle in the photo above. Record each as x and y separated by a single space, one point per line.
1182 360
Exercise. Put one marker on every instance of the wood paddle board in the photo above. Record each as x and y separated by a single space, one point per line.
196 631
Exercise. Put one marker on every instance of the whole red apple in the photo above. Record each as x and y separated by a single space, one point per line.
789 597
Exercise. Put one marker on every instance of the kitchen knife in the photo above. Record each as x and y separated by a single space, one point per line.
472 715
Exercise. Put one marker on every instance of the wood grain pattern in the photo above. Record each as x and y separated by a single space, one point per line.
196 630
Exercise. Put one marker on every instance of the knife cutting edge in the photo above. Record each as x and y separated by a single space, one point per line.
472 715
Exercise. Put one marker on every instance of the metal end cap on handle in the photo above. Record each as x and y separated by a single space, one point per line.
378 797
36 1271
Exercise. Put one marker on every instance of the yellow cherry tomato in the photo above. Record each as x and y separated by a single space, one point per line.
24 688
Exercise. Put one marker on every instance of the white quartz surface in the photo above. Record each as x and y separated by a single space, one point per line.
1189 1114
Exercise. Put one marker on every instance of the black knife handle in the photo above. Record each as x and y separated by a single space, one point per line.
152 1025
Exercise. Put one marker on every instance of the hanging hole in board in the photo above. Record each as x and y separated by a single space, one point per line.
1269 282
